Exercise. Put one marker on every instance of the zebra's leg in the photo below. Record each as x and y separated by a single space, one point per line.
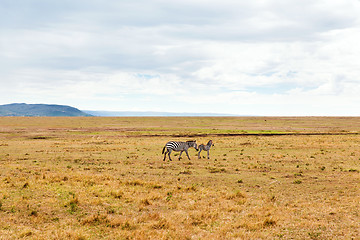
200 149
180 155
166 153
208 154
169 154
187 154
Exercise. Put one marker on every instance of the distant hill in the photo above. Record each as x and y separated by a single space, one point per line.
150 114
32 110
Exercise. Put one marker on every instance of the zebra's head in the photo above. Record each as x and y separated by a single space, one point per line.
192 144
210 143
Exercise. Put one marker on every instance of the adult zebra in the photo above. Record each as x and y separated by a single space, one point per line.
206 148
178 147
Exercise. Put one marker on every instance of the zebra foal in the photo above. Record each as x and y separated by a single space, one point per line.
178 147
205 148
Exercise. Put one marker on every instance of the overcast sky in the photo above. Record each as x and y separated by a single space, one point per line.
263 57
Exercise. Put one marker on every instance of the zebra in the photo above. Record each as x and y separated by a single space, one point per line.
178 146
205 148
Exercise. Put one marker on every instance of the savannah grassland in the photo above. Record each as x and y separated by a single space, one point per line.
105 178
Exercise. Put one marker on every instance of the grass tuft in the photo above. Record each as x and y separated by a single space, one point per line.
117 194
161 224
95 220
26 233
268 222
236 195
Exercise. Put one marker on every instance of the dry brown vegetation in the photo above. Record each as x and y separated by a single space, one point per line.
104 178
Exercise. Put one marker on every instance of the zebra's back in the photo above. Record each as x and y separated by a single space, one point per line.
176 146
207 146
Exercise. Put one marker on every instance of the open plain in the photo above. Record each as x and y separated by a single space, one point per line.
105 178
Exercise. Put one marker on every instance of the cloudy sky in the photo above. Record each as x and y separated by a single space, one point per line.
263 57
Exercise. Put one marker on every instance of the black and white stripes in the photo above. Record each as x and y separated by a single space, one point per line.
178 147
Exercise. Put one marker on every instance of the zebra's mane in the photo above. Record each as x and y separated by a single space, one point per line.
191 141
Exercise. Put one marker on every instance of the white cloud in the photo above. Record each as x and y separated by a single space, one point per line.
254 57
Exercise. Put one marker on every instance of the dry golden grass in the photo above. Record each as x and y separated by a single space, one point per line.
104 178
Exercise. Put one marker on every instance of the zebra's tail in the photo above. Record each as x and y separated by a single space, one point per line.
163 150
